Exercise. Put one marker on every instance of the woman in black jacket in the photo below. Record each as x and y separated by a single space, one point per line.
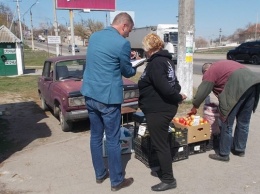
159 98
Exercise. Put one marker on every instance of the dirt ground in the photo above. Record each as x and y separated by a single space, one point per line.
30 127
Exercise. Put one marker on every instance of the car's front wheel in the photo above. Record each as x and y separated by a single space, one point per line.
43 104
56 110
230 57
255 60
65 125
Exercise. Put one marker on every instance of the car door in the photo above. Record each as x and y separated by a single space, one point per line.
47 81
240 50
244 52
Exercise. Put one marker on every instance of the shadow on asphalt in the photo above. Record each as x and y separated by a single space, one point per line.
20 125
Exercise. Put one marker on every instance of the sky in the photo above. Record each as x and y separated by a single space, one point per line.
210 15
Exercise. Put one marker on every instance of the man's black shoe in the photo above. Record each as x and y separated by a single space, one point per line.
238 153
99 181
125 183
219 157
164 186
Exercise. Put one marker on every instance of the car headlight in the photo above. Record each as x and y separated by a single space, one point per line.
77 101
131 94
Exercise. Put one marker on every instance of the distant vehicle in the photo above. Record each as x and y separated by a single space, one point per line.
59 89
41 38
76 48
248 52
167 32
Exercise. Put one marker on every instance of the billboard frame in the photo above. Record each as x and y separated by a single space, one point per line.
100 5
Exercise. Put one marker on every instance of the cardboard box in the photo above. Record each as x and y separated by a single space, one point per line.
126 142
196 133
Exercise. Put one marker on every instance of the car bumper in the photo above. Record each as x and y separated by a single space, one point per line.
83 114
76 115
133 105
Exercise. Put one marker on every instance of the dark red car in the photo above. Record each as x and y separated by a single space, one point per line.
59 89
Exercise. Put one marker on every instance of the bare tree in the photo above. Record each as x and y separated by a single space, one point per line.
86 27
94 26
6 15
201 42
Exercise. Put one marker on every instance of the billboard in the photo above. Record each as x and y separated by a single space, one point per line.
108 5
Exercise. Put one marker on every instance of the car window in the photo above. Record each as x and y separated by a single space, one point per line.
70 69
244 45
256 45
47 69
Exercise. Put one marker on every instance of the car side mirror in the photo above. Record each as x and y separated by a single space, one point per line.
48 79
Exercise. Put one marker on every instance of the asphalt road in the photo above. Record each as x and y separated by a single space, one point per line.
198 59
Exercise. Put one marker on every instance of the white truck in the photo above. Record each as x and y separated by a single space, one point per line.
167 32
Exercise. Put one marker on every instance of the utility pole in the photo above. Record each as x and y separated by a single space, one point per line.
186 46
32 24
32 37
56 27
19 18
72 41
220 36
256 27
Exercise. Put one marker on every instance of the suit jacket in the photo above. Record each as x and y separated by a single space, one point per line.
108 59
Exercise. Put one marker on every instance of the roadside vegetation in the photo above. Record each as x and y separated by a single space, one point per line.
34 59
217 50
24 86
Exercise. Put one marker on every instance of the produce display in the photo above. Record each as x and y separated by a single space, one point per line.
192 120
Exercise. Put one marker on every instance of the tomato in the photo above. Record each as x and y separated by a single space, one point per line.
181 120
176 119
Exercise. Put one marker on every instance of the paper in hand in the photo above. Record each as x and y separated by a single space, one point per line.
138 62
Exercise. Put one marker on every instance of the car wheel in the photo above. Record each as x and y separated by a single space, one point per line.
43 104
56 110
255 60
65 125
230 57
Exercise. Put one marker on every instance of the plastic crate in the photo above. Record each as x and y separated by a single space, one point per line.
147 155
138 118
179 137
144 152
197 147
180 153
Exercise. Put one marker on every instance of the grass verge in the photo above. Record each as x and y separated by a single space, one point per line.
35 58
25 86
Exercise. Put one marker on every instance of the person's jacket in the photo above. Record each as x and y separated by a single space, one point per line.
159 87
108 59
228 80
